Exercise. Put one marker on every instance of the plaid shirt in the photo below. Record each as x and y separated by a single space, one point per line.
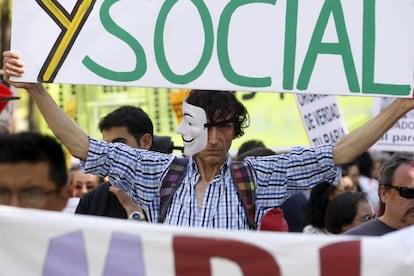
140 173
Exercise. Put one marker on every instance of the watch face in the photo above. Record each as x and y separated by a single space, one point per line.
136 216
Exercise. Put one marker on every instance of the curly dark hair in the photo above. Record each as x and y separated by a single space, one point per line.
220 106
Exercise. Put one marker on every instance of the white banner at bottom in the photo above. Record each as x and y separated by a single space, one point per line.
46 243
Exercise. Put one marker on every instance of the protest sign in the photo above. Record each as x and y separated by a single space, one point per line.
401 136
326 47
322 118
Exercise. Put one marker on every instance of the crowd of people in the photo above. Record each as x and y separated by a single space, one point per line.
329 189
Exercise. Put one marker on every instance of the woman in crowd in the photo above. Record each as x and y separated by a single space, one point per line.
346 211
319 199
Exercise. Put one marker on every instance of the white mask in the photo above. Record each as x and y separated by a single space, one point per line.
193 129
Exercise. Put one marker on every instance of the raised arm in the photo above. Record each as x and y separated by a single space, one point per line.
64 128
356 142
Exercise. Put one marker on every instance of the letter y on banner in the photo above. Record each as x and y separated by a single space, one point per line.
70 24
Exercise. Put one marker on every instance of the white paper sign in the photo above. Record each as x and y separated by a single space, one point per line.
322 118
322 47
401 136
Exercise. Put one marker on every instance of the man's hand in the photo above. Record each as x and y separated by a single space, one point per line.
64 128
13 66
356 142
126 202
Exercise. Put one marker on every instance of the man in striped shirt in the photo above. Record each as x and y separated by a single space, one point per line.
207 196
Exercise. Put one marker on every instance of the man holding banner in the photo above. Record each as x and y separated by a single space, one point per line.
207 198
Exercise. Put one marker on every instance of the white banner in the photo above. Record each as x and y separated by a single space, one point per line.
34 242
322 118
319 46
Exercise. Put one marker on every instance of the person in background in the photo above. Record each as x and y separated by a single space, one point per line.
129 125
260 151
319 199
367 183
249 145
396 190
351 170
379 158
212 119
346 211
345 185
294 211
81 183
33 172
315 210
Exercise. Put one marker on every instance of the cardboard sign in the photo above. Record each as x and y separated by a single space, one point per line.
320 46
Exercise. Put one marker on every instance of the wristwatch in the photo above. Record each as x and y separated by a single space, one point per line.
137 215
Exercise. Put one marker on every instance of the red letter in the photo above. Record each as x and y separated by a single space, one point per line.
192 256
341 259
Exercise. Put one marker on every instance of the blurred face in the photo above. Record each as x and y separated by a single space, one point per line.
345 185
83 183
28 185
399 211
364 214
353 173
120 135
192 129
376 168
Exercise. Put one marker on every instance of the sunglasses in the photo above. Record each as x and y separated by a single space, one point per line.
403 191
